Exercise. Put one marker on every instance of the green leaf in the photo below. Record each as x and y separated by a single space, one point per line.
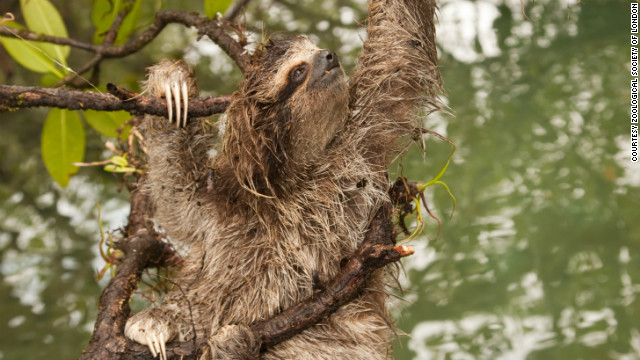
48 80
62 144
212 7
118 169
120 161
27 54
107 123
104 13
129 23
42 17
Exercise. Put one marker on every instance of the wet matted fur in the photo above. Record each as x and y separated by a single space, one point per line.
271 206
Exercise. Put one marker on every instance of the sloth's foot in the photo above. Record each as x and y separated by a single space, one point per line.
152 328
175 81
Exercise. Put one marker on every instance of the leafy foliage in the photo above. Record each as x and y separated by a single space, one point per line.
63 137
212 7
107 123
62 144
29 55
42 17
104 13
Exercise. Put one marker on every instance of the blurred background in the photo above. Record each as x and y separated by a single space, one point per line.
541 259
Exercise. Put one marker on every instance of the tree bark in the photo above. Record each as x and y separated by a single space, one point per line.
15 97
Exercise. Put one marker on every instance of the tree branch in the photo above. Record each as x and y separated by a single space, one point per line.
15 97
32 36
112 33
143 249
213 28
376 250
67 79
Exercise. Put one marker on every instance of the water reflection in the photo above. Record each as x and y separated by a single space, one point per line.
537 263
48 246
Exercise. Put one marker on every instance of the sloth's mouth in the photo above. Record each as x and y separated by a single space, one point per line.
325 70
331 69
326 78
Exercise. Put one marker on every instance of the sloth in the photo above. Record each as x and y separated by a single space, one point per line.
271 202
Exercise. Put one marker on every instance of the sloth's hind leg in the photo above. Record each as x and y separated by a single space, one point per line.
151 327
157 326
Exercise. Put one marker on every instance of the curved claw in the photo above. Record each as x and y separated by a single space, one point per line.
163 348
157 346
153 329
152 346
176 93
168 97
174 81
185 96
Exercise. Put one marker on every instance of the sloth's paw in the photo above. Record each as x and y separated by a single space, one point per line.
151 328
234 342
175 81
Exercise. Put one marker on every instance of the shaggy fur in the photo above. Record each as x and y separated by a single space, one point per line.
299 172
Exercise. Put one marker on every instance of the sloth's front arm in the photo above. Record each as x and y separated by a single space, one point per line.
169 182
178 152
177 159
396 77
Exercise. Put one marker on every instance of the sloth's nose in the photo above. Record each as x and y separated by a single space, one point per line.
329 59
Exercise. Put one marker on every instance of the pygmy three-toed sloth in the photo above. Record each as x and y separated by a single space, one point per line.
269 210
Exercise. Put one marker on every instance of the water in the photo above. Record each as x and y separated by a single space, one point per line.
540 260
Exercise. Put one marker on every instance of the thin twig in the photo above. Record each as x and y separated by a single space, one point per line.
32 36
112 33
234 9
109 39
77 74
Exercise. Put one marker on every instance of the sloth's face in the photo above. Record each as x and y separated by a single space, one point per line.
292 103
312 84
305 68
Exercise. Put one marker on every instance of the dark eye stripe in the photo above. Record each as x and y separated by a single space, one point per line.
298 74
296 77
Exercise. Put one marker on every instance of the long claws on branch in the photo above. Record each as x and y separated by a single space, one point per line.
163 348
185 96
176 93
168 97
157 346
152 345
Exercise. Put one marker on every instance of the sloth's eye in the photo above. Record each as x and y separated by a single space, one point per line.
298 74
295 78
